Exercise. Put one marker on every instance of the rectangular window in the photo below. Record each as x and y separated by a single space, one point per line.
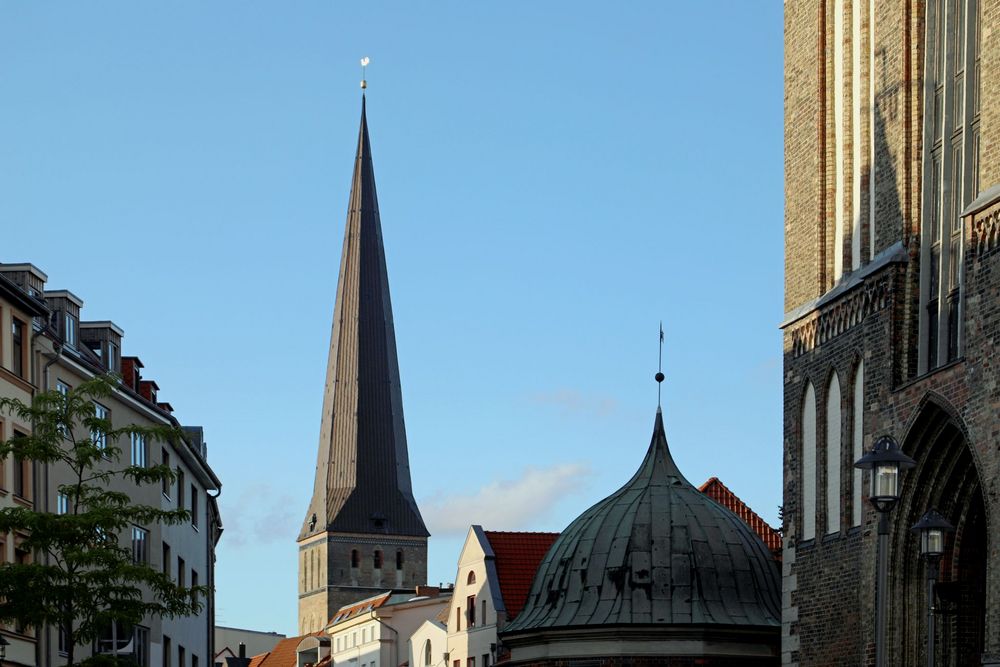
194 505
22 474
180 488
486 660
138 450
97 435
194 580
483 618
166 559
69 330
458 619
470 662
167 650
63 641
141 646
181 579
165 460
470 611
63 389
17 347
62 504
181 656
140 545
112 360
194 660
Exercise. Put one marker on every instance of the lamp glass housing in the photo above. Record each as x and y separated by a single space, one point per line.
885 481
932 542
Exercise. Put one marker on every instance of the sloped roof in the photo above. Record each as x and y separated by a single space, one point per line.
283 654
518 555
360 607
722 494
655 552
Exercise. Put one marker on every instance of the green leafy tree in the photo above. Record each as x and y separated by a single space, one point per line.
87 579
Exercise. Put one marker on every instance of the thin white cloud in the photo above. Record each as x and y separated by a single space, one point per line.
259 513
515 504
572 402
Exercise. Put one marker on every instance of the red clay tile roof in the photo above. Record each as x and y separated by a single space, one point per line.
722 494
518 556
355 608
282 655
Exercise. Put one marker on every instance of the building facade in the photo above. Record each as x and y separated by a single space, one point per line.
362 532
892 300
60 350
18 310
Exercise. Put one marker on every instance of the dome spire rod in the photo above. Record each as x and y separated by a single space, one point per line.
364 68
659 373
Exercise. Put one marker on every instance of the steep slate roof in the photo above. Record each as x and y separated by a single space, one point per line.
362 470
722 494
517 556
657 551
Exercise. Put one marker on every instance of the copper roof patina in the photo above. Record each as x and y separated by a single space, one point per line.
657 551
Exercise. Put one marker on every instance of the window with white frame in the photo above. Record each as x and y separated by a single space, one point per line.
62 504
140 545
97 435
951 171
138 450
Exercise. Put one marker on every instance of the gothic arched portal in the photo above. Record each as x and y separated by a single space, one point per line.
945 478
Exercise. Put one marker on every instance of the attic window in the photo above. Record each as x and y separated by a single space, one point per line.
471 579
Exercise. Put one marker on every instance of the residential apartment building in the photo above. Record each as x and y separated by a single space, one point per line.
62 351
892 230
18 310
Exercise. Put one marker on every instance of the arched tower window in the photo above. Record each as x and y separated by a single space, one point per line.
378 559
399 559
471 579
355 558
808 510
857 440
950 171
834 461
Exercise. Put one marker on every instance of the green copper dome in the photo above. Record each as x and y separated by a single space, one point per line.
657 551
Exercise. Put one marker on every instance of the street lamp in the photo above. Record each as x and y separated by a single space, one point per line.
931 528
886 461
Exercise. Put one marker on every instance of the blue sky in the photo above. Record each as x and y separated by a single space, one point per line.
554 179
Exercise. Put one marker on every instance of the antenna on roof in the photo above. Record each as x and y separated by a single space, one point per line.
364 67
659 373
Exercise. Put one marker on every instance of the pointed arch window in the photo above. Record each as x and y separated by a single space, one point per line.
808 473
428 660
378 559
399 559
355 558
951 171
834 462
857 440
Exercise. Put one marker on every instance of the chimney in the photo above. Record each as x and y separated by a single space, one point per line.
428 591
243 650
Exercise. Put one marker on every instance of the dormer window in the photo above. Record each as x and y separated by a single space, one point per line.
111 363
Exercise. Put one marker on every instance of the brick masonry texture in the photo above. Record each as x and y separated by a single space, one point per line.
829 581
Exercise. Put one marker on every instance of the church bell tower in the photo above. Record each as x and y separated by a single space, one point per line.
362 533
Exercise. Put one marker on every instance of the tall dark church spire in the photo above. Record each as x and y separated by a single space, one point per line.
362 499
